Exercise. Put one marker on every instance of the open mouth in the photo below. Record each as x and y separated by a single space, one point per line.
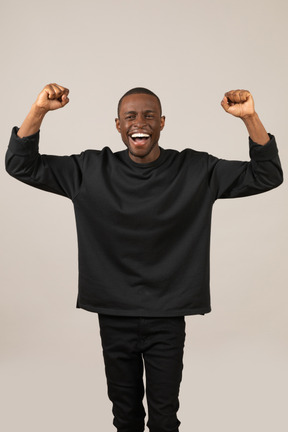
139 138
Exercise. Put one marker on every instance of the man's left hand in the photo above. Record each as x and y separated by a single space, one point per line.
239 103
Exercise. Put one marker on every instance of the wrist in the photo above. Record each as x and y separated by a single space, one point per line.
250 118
32 122
37 112
256 129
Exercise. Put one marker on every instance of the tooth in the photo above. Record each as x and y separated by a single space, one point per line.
140 135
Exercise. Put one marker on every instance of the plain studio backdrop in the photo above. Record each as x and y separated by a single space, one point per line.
190 53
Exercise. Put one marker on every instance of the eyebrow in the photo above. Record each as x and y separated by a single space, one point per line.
135 112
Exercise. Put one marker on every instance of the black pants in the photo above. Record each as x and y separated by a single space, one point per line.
158 343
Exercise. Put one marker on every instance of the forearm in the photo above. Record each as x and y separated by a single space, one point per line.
32 122
256 129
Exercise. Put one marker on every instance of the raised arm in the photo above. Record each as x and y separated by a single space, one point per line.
51 98
231 179
58 174
240 104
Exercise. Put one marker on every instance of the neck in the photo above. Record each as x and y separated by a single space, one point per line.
150 157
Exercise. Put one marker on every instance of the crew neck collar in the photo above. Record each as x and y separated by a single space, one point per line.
154 163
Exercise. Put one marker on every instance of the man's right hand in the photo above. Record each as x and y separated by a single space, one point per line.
52 97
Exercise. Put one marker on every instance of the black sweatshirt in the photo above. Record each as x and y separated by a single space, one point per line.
144 229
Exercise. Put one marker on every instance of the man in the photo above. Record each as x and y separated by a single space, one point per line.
143 220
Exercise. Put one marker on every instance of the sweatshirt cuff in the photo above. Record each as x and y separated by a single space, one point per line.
23 146
264 152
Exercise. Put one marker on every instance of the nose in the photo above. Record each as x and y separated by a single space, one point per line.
140 120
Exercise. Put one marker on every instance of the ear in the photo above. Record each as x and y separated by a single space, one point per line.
117 123
162 124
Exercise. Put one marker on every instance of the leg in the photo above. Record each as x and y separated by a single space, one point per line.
124 371
163 357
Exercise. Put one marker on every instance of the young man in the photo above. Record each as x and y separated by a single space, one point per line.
143 218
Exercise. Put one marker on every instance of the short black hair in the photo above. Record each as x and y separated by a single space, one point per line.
139 90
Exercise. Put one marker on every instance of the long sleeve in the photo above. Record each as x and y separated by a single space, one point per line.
232 179
61 175
144 229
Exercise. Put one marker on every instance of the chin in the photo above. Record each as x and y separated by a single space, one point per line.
141 152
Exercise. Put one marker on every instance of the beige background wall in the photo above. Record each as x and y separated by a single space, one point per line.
189 53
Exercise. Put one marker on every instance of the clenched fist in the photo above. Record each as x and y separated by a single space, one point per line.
52 97
239 103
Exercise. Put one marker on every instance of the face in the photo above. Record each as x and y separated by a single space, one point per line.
140 123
